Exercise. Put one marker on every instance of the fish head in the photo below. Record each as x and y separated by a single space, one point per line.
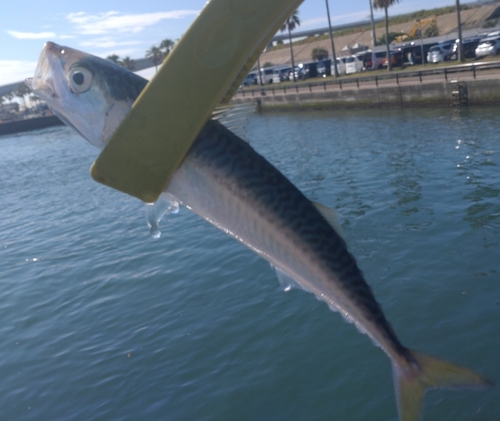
88 93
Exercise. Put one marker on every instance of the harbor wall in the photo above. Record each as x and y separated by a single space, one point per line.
439 93
29 124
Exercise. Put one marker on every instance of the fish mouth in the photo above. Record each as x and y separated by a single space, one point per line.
49 67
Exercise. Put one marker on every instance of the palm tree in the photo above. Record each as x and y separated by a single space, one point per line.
167 45
384 4
154 53
114 58
290 24
374 37
128 63
20 91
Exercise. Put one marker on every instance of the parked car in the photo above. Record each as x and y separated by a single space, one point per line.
489 46
324 68
250 79
439 52
353 65
305 71
396 57
469 48
281 73
492 34
341 64
412 52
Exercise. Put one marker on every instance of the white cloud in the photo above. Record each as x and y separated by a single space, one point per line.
315 22
335 19
15 70
113 21
31 35
121 53
107 43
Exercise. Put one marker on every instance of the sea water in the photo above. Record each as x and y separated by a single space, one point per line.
101 322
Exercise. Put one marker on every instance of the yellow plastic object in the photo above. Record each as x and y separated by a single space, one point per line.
205 68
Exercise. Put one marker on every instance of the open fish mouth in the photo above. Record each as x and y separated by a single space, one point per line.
43 82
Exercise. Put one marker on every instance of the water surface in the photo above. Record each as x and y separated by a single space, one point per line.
101 322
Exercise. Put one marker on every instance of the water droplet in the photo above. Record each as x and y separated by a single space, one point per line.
155 211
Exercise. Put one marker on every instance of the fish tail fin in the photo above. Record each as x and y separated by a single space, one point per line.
429 373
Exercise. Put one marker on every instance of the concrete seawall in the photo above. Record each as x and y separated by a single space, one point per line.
437 93
29 124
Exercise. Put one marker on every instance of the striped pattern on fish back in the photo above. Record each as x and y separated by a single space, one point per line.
265 187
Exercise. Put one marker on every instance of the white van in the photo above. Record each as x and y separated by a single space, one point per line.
266 74
372 60
353 65
341 62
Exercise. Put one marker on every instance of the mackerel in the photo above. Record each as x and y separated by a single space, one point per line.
227 183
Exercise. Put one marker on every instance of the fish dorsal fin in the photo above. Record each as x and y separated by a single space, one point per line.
234 116
330 215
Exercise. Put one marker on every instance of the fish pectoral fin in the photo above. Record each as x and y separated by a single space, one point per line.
330 215
234 116
432 373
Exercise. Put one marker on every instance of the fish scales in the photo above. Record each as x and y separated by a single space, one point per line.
248 175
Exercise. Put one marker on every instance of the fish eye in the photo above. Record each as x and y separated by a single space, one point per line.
80 79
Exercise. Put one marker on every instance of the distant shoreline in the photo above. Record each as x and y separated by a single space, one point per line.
29 124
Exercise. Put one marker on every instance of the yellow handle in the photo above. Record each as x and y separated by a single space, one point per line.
207 66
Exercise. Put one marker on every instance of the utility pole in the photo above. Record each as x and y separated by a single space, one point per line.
260 73
460 43
374 37
421 41
334 56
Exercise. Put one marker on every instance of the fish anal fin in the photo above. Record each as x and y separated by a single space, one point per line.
286 281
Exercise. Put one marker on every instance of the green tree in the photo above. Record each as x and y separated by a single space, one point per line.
155 54
114 58
268 64
319 53
431 31
128 63
391 35
166 45
385 4
290 24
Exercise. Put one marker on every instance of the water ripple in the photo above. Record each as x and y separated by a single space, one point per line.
100 322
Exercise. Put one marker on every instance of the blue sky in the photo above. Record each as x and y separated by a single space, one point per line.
129 28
